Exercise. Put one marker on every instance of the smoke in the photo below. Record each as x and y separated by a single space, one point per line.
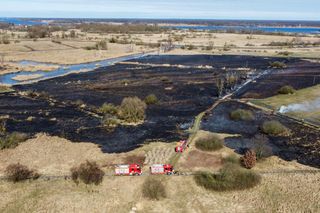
301 107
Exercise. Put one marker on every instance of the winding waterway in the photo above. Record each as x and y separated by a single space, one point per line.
9 79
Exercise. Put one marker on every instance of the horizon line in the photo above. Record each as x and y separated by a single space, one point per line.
145 18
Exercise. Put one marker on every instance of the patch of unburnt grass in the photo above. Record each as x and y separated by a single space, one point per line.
275 128
151 99
209 143
242 114
231 177
285 90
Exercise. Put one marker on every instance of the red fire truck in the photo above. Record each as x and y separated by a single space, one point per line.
127 170
182 145
157 169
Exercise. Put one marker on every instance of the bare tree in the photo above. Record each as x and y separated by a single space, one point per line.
260 146
220 85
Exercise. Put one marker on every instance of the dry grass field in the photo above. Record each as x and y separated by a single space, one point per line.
73 50
278 192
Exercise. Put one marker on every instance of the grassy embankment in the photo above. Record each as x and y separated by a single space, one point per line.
300 96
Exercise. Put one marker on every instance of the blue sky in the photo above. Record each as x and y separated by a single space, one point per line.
205 9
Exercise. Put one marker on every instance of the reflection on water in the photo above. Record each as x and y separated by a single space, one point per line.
62 70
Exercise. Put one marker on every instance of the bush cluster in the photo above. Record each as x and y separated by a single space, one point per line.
153 189
242 114
132 110
108 109
286 90
102 45
249 159
151 99
274 128
18 172
4 39
88 172
230 177
209 143
12 140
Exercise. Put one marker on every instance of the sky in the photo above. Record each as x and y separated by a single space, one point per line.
176 9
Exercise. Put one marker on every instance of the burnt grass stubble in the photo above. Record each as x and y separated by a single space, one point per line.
183 93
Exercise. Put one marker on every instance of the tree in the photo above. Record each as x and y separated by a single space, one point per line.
72 34
249 159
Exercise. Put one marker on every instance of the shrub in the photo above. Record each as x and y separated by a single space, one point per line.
230 177
151 99
107 108
274 128
88 172
5 39
286 90
278 65
241 114
249 159
110 122
12 140
18 172
101 45
210 143
132 109
153 189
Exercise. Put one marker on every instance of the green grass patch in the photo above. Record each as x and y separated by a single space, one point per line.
275 128
242 114
300 96
285 90
209 143
230 177
151 99
108 108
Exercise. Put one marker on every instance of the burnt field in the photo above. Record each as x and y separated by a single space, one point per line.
302 145
299 74
67 106
182 92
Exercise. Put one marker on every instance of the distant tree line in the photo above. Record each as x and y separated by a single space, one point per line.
125 28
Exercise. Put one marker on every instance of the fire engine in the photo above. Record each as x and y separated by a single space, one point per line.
127 170
182 145
157 169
